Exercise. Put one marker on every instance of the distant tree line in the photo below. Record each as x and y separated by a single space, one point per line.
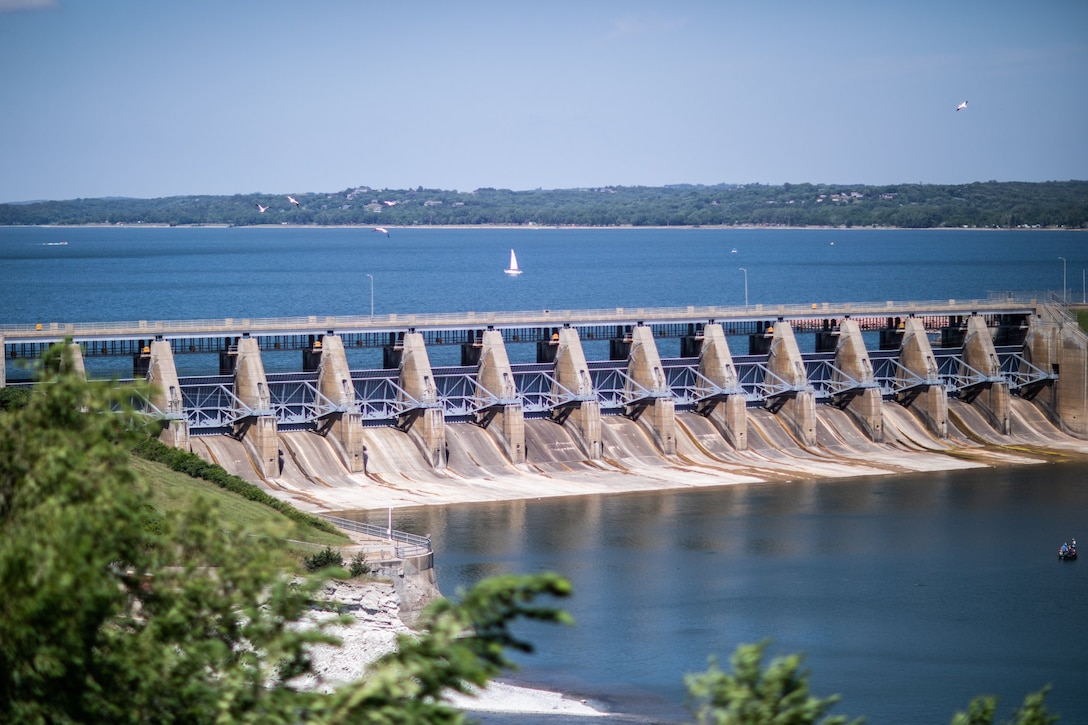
992 204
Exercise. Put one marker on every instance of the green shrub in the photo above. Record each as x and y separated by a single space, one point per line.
327 557
357 566
14 398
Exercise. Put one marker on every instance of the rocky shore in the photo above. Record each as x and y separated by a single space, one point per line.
376 609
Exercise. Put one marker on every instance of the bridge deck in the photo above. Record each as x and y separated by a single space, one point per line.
378 330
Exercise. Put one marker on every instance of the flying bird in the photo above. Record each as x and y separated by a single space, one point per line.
962 106
292 200
389 203
261 209
383 230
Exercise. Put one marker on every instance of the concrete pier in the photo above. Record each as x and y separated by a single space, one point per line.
992 396
256 426
726 405
580 413
343 425
925 393
166 395
853 368
1055 343
424 420
796 404
645 377
78 366
503 415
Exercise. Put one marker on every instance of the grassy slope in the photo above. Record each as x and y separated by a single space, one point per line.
173 491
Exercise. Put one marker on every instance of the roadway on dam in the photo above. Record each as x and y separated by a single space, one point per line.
312 477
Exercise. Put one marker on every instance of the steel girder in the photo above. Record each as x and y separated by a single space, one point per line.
691 389
209 403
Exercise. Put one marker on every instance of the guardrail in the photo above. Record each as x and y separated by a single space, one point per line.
405 545
447 320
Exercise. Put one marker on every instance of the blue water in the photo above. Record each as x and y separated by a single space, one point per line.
162 273
909 594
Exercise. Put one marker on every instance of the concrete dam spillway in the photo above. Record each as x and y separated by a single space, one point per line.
398 474
1004 384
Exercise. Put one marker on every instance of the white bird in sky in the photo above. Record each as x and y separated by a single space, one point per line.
261 209
962 106
292 200
383 230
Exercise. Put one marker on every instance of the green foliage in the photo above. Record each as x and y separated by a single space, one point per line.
751 696
358 567
13 398
779 695
112 612
1032 712
990 205
152 449
324 559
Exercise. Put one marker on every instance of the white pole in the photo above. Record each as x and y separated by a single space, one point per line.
1064 296
371 295
742 269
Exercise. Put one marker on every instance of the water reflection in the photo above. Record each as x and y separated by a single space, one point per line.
909 594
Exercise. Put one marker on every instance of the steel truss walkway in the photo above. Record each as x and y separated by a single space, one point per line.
210 405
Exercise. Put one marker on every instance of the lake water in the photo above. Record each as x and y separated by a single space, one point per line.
908 594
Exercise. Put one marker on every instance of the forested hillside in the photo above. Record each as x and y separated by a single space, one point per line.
1055 204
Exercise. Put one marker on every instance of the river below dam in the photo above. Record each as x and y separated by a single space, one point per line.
908 594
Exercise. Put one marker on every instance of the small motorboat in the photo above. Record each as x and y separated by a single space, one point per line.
1067 553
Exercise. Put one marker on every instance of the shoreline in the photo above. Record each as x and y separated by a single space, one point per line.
376 609
542 227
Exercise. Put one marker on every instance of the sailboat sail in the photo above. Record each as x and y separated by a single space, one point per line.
513 268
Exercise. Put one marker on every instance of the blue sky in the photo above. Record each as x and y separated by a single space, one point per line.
147 99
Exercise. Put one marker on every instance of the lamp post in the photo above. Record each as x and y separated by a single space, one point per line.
371 295
1065 297
742 269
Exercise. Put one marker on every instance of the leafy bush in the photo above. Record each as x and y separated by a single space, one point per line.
14 398
357 566
324 559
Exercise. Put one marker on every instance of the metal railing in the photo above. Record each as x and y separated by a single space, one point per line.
405 545
457 320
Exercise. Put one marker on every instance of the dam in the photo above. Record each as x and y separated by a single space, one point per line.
674 397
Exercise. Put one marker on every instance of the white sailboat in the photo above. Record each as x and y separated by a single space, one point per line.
513 268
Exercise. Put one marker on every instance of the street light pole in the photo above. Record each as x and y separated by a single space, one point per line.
371 295
1065 297
742 269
